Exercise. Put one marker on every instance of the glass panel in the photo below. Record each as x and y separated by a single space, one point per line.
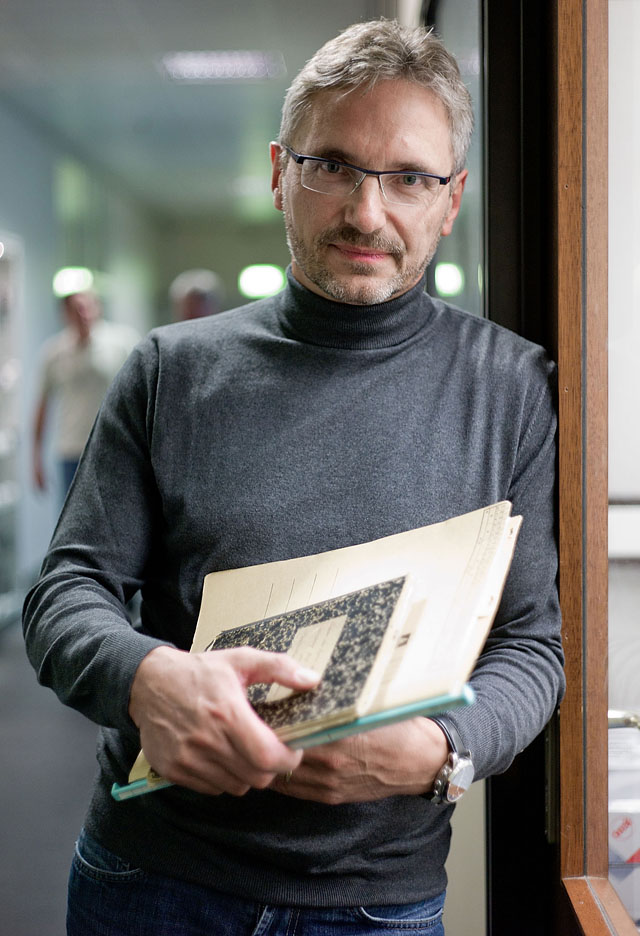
624 452
456 273
456 276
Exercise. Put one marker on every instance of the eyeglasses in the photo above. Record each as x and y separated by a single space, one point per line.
332 177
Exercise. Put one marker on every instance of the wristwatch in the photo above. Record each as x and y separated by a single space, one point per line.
455 776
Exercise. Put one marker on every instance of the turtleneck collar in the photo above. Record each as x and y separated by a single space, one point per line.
316 320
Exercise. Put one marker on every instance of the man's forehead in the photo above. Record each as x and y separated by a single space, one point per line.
392 113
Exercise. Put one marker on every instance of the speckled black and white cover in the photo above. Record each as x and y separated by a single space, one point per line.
355 665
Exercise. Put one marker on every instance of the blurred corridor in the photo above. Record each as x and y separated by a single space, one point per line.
47 766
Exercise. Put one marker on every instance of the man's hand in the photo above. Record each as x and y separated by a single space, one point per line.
401 759
196 725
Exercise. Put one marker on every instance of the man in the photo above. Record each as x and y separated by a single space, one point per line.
348 407
196 293
78 364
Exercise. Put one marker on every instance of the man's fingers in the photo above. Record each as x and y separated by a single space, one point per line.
258 747
255 666
197 725
210 777
252 739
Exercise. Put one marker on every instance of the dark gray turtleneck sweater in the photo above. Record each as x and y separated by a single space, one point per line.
291 426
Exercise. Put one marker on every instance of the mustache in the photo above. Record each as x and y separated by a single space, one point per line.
345 234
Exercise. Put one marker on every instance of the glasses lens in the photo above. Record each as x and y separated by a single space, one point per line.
398 188
330 178
409 188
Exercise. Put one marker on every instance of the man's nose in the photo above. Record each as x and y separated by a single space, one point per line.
365 209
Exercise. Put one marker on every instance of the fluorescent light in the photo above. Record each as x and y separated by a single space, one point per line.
261 279
449 279
70 280
233 65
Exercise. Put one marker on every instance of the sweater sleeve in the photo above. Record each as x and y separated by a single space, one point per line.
519 678
78 635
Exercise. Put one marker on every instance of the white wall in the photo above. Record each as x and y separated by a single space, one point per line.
624 393
624 353
466 905
624 249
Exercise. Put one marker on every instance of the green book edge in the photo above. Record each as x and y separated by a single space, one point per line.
376 720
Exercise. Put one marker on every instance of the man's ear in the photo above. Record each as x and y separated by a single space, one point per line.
455 199
275 153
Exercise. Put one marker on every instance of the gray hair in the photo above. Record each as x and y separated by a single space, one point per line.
380 50
204 281
196 293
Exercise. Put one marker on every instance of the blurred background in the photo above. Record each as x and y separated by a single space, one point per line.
124 158
134 146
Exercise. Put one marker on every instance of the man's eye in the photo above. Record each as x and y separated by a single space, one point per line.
411 180
332 168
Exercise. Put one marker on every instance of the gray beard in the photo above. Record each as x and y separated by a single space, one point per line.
309 259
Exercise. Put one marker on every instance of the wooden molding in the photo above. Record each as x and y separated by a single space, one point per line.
596 483
569 300
597 908
581 295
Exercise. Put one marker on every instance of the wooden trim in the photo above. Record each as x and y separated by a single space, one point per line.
597 908
596 453
581 68
575 163
574 239
612 906
569 298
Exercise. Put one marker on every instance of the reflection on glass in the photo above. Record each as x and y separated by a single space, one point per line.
458 24
456 275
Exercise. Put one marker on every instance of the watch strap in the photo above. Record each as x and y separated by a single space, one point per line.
451 734
458 755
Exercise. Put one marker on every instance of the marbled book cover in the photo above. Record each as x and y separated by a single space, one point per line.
347 639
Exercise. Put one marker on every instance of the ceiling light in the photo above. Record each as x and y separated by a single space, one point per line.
234 65
71 280
449 279
261 279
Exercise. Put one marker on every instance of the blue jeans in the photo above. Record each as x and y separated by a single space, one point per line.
107 897
68 468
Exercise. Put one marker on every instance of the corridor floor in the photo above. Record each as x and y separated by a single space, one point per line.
47 762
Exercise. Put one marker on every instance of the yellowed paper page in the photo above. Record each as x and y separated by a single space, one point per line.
457 570
454 567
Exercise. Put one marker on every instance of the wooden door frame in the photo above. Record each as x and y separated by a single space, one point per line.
580 286
547 73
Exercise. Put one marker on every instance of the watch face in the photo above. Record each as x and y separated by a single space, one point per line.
459 779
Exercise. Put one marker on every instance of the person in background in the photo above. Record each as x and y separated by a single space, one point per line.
348 407
196 293
78 364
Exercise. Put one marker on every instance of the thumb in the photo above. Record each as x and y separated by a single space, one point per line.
254 666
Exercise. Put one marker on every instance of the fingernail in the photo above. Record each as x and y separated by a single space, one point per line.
307 675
